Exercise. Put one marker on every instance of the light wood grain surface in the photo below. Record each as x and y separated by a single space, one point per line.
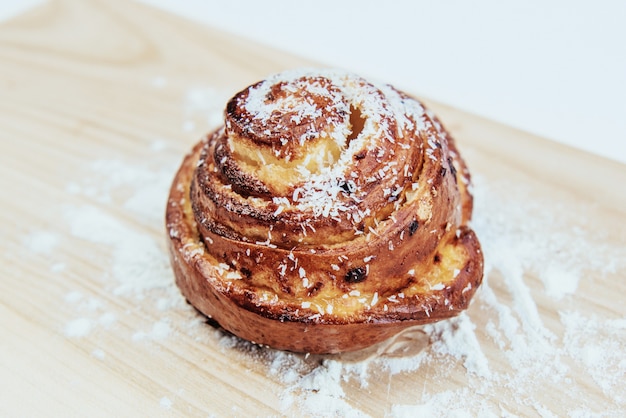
88 85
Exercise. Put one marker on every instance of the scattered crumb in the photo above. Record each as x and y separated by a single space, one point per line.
73 296
98 354
57 267
107 319
41 242
165 402
160 331
78 328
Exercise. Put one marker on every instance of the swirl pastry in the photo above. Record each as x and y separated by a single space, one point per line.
326 215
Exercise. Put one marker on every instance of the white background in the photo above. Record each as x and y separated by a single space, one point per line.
553 68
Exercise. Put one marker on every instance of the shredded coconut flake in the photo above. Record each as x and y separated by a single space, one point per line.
500 358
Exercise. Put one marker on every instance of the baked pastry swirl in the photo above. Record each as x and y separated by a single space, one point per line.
326 215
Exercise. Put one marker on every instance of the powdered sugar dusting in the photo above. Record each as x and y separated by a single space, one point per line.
456 338
166 402
319 385
77 328
160 331
138 263
529 336
41 242
126 200
598 344
526 353
203 107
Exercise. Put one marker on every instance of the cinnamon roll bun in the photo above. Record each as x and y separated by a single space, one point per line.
326 214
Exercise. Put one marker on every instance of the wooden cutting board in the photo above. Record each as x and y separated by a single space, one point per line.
99 101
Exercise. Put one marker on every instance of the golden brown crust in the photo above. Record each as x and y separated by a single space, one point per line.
327 215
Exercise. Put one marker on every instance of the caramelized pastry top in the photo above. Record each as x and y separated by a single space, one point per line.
327 194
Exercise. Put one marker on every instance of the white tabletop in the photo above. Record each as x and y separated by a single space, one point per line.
555 68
